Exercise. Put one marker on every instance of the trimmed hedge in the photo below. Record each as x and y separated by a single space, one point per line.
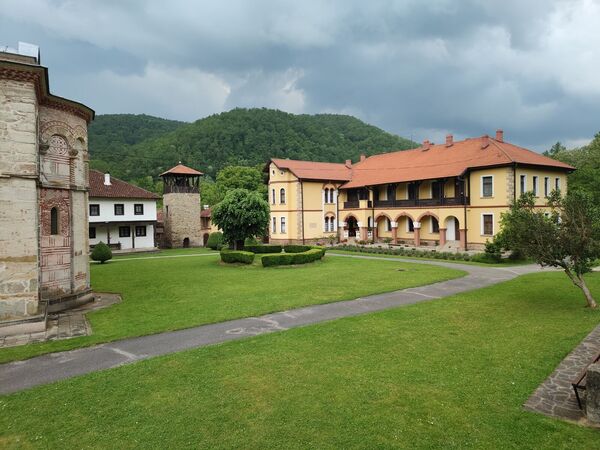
286 259
236 256
291 248
215 240
263 248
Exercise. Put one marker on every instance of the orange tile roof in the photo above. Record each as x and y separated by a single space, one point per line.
309 170
180 169
442 161
116 189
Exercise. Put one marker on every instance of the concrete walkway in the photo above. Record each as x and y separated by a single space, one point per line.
52 367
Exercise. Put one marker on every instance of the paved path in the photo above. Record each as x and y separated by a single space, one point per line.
52 367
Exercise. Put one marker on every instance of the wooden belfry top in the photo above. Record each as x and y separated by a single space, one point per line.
180 169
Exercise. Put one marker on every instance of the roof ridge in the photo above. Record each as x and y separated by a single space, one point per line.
496 143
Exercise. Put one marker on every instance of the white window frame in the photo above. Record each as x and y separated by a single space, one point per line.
546 186
481 186
282 225
523 185
493 223
274 196
274 225
326 224
557 183
535 185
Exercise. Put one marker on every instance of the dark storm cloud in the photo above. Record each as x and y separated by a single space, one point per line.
411 67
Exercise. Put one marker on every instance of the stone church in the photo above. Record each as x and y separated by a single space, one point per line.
43 196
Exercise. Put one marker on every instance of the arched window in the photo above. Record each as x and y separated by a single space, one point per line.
331 192
273 196
326 224
327 195
282 196
282 226
410 225
388 224
54 220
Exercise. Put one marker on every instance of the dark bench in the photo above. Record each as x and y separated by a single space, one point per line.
580 381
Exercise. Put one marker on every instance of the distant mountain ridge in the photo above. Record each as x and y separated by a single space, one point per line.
132 147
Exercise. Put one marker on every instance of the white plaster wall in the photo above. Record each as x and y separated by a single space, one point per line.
107 210
126 242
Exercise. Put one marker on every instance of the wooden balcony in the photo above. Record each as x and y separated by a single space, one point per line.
444 201
175 189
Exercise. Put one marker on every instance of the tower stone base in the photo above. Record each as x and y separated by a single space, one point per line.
183 227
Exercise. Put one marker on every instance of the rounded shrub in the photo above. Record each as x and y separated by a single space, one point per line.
263 248
101 252
236 256
215 240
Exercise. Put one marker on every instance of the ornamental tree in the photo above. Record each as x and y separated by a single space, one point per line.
567 236
241 214
101 252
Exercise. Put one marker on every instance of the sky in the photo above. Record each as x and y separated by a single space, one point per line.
420 69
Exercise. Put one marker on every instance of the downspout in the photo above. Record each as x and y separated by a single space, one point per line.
372 216
302 201
515 182
468 180
337 212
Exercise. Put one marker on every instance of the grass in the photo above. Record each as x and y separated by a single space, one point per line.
504 263
449 373
161 294
165 252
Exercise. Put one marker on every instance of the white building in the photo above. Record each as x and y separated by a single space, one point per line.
120 214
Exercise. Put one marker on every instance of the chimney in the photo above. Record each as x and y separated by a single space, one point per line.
499 135
485 141
426 144
449 140
107 179
349 163
362 157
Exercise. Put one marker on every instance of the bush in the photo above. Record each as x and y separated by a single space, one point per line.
296 248
215 240
286 259
493 250
483 258
101 252
236 256
251 241
263 248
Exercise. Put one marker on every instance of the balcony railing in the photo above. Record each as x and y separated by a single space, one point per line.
351 204
444 201
173 189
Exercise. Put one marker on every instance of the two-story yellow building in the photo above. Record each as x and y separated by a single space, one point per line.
450 195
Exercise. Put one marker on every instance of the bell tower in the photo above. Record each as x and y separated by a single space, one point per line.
181 204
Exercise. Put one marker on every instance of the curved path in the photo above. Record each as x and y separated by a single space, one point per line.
19 375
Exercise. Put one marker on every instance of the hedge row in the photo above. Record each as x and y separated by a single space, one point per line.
291 248
236 256
263 248
286 259
414 253
215 240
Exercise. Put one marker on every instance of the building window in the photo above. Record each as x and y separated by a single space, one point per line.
282 196
326 224
326 196
138 209
274 225
487 224
54 220
523 184
140 230
487 186
535 185
124 232
546 186
331 192
410 226
94 210
92 232
388 224
282 226
435 225
557 184
119 209
273 196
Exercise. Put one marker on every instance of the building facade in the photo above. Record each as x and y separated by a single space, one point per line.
181 207
120 214
43 194
450 195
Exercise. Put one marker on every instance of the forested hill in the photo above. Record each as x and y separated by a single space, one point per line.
132 147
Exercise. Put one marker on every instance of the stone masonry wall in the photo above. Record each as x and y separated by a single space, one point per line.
18 200
182 220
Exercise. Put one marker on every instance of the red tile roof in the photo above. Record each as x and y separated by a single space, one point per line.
180 169
116 189
441 161
309 170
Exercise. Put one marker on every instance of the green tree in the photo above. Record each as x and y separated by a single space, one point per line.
555 150
568 237
241 214
101 252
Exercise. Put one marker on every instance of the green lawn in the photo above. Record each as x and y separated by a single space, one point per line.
161 294
449 373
